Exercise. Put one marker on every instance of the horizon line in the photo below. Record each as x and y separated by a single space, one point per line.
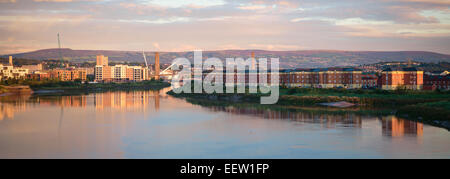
162 51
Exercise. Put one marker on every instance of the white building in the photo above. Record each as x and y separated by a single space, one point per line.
8 71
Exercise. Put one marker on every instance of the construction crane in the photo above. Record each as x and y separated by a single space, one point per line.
59 50
145 59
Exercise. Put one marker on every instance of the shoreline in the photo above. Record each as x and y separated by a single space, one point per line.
434 116
52 88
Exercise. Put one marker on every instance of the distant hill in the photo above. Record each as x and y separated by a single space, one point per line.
288 59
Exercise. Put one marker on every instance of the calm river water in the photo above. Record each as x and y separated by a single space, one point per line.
150 124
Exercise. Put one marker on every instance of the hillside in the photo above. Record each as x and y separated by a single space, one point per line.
288 59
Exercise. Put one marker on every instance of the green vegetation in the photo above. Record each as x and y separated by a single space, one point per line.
20 61
314 96
377 97
427 111
80 86
364 93
3 90
429 105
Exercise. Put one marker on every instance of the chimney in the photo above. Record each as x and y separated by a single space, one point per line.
253 61
157 66
11 60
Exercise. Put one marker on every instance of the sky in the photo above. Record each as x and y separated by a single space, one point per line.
186 25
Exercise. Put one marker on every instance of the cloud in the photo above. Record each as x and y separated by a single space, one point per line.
156 46
346 21
172 25
187 3
276 47
252 7
156 21
63 0
440 2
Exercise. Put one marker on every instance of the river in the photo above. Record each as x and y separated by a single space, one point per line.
151 124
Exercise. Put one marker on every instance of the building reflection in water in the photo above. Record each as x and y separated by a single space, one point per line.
391 125
127 100
326 120
143 100
121 101
64 101
395 127
12 104
7 111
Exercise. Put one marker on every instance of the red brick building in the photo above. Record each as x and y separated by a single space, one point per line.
322 78
409 78
369 80
433 82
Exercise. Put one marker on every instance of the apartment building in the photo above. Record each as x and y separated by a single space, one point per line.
38 75
433 82
67 74
33 68
408 78
9 71
118 73
369 80
322 78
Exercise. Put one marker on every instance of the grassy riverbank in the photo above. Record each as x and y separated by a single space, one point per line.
362 97
428 105
3 90
74 86
433 113
101 86
428 111
308 97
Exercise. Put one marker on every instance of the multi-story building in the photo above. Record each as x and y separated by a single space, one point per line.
433 82
408 78
33 68
38 75
102 71
102 60
118 73
322 78
369 80
68 74
9 71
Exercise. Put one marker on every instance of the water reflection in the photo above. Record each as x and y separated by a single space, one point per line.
126 101
12 104
7 111
326 120
143 100
391 125
395 127
151 124
115 100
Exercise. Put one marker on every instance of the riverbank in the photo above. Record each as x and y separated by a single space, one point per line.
304 109
430 107
102 86
60 87
16 89
434 113
311 97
